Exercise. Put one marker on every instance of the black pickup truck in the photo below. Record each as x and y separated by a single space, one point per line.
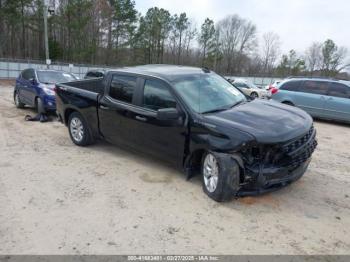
195 119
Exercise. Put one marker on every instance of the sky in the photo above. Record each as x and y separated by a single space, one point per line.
297 22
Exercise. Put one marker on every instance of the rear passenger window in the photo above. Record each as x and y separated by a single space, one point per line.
315 87
156 95
122 87
291 86
339 90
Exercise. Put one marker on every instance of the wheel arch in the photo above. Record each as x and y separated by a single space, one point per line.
193 162
67 113
288 102
94 132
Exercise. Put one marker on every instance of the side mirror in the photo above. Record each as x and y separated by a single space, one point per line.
32 80
168 114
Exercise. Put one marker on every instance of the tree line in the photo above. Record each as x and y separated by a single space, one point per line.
114 33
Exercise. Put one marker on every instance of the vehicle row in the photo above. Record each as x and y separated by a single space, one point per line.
323 98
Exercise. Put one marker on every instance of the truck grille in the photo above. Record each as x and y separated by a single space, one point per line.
291 146
299 150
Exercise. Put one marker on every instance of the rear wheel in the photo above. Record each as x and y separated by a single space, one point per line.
220 176
254 95
78 130
18 102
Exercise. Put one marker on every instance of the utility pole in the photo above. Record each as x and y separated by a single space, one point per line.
48 62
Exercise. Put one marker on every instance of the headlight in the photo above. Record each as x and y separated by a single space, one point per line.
48 91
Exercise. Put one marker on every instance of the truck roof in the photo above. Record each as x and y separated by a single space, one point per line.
168 72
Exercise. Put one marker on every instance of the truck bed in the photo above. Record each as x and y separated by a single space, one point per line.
91 85
82 96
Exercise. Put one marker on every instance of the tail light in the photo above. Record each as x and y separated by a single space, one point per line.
273 90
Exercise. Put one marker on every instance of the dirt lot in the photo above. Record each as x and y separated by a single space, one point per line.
57 198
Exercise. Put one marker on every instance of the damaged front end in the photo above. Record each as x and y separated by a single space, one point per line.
267 167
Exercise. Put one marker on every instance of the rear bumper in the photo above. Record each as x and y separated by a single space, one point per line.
271 179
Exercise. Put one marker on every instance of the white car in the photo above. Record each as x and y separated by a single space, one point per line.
249 88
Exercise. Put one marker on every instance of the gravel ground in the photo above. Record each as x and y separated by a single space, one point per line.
57 198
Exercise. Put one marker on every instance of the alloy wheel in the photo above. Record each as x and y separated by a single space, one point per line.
77 129
210 172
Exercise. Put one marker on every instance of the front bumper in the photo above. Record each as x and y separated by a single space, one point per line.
273 178
50 102
279 165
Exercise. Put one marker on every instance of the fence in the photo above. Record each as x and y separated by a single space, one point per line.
11 69
258 80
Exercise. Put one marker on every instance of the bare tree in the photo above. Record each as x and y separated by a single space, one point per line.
313 56
190 35
270 51
235 34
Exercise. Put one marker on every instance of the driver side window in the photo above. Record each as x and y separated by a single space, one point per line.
156 95
28 74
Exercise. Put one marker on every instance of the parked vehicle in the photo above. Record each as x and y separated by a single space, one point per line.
321 98
273 85
96 73
249 88
196 120
36 88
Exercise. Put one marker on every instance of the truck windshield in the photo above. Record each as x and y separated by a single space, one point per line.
53 77
206 93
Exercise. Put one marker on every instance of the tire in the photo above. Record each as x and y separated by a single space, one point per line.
17 100
79 130
40 106
254 95
227 184
288 103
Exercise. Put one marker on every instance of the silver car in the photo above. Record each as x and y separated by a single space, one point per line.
249 88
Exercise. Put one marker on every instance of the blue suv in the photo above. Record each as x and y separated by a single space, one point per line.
36 88
321 98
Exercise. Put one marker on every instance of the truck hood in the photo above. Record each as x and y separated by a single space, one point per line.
268 121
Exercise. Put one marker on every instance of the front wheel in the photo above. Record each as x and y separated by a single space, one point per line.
40 106
18 102
79 130
220 176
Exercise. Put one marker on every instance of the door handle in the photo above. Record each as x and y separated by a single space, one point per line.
141 118
104 107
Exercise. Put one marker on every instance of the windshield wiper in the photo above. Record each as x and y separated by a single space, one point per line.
238 103
216 110
223 108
